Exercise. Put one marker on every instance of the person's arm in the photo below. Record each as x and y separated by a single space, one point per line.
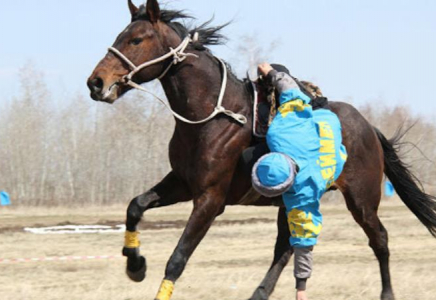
303 264
282 81
286 86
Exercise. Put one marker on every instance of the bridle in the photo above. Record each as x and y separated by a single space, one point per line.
178 54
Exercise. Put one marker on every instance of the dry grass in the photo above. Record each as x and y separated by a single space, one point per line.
229 263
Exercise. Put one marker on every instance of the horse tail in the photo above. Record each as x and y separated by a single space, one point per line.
406 184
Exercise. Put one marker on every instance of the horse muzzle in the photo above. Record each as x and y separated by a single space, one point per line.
103 92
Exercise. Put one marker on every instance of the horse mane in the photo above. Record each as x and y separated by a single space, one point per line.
207 35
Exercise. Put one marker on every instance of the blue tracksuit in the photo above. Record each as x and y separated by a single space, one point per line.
313 140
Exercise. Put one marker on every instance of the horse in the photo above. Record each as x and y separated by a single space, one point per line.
205 155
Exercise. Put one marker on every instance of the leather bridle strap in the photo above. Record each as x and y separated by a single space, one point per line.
178 54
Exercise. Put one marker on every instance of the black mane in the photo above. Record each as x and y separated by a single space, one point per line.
207 35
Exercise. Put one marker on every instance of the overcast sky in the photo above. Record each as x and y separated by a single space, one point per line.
360 51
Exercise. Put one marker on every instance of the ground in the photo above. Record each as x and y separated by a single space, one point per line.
228 265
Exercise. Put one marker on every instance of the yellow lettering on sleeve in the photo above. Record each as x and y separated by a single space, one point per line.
328 160
329 173
327 146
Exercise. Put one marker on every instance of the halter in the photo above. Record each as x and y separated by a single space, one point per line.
178 56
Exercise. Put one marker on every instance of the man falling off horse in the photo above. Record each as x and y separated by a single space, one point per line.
306 158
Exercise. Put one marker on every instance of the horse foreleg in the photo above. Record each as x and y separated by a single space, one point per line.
206 209
282 254
169 191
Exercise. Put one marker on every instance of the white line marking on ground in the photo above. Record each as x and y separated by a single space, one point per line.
77 229
60 258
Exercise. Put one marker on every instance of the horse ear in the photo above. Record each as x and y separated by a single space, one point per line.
153 10
132 7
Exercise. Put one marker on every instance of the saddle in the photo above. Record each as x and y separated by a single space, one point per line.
265 104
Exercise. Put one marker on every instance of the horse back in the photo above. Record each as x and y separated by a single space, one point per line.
365 154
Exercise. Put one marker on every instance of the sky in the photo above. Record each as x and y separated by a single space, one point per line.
372 51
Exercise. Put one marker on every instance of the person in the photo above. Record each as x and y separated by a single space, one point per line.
306 157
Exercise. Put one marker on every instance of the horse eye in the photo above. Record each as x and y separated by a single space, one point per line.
136 41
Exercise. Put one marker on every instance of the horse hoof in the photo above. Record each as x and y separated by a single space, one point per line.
136 268
387 296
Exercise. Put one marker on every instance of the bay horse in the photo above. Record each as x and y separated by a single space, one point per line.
205 157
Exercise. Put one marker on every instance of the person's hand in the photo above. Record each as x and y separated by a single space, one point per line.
265 68
301 295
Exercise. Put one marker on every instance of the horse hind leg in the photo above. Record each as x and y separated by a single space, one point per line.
282 254
363 204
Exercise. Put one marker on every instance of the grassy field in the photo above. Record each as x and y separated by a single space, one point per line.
229 263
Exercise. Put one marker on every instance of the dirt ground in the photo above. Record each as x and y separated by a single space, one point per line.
228 265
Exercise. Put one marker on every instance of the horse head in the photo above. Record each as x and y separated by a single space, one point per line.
146 38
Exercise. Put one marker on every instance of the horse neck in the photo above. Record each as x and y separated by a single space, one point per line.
193 88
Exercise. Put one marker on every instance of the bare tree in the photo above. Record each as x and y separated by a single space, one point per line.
84 153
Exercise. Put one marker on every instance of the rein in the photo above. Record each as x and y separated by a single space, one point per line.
178 56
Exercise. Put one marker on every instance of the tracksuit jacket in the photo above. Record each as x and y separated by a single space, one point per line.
313 140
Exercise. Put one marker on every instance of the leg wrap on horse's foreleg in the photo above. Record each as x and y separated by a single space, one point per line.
131 244
166 290
136 264
131 240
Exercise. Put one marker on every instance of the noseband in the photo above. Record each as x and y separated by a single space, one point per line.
178 54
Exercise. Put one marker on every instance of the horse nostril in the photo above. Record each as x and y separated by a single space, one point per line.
96 85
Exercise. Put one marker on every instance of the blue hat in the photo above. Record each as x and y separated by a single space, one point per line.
274 174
